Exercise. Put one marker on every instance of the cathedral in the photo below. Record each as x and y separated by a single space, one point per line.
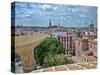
90 33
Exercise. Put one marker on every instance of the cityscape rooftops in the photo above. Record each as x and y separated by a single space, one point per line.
62 34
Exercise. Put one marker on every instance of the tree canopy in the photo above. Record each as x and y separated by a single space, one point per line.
50 52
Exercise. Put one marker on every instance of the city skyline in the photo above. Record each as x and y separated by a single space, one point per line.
39 14
64 34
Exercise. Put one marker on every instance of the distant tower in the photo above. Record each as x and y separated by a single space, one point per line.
91 26
50 23
59 27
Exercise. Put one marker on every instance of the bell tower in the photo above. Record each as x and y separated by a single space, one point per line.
91 26
50 23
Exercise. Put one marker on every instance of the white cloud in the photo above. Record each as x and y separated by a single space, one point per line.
48 7
55 8
82 15
79 9
75 9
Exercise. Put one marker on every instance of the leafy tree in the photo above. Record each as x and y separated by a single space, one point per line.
53 60
50 52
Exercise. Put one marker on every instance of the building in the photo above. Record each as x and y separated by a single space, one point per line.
80 45
87 32
92 56
91 26
90 33
86 44
68 43
86 49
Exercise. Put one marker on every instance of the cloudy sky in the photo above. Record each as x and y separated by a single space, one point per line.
39 14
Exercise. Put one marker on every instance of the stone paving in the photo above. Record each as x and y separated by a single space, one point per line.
67 67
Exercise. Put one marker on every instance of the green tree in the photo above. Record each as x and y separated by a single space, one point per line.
50 52
57 59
